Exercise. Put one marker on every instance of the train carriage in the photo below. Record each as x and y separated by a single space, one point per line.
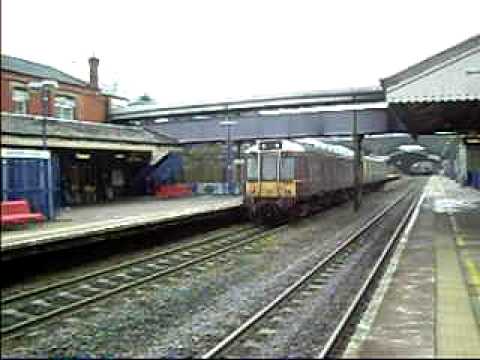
291 178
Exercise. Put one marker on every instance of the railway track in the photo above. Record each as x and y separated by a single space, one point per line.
28 308
249 338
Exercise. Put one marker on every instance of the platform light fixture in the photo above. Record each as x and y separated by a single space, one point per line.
45 86
472 141
445 133
82 156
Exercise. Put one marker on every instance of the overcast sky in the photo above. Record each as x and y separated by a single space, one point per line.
187 51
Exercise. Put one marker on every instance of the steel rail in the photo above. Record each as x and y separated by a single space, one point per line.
361 292
125 264
227 341
69 307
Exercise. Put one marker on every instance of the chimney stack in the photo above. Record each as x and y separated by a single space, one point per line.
93 62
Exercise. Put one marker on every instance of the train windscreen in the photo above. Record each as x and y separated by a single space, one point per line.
252 168
269 167
287 168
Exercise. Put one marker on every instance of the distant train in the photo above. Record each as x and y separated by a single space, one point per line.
291 178
422 168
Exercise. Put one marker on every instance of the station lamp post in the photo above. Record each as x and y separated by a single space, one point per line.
228 124
45 87
357 162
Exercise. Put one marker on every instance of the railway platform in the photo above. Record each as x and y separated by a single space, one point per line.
96 221
427 303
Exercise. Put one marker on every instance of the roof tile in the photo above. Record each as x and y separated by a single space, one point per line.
22 66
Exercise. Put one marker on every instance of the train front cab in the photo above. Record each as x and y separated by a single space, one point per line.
271 188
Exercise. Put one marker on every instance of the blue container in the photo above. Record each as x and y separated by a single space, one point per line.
476 179
473 179
168 171
31 175
469 179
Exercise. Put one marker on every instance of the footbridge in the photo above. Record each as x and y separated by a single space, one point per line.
320 113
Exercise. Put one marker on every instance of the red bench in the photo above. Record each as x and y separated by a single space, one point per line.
173 191
18 212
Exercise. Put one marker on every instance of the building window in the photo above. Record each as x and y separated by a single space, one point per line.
20 101
65 107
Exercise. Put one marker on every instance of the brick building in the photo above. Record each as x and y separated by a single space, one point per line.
91 160
73 99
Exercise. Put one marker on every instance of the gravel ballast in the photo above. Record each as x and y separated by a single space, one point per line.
188 312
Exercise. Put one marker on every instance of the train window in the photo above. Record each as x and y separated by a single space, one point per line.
252 168
269 167
287 168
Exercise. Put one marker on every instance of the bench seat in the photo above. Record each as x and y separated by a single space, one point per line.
21 218
18 212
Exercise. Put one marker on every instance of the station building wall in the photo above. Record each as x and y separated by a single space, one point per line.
90 104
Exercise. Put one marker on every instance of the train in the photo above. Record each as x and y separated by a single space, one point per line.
422 168
291 178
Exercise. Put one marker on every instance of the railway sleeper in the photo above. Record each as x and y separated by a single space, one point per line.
87 290
266 331
106 283
41 303
33 309
13 314
67 295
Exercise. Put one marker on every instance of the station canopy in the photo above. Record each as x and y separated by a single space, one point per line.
441 93
26 131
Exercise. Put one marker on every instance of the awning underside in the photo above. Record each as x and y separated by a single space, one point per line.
427 118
